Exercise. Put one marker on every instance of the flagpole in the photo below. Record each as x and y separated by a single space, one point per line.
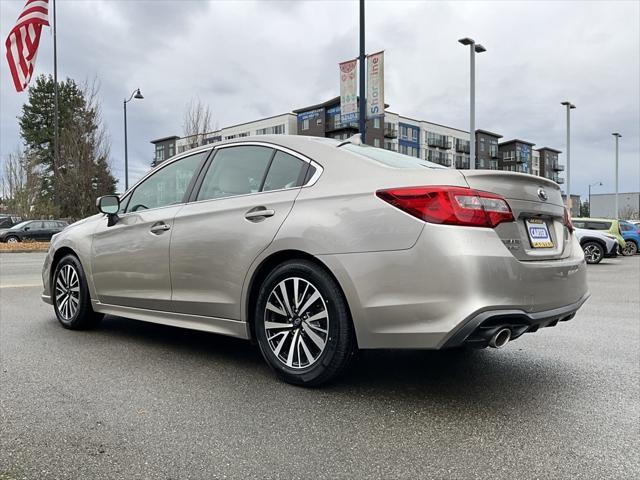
56 137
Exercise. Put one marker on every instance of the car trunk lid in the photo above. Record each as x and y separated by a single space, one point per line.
538 232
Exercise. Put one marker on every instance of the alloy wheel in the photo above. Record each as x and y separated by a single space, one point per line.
12 240
592 253
630 248
67 291
296 323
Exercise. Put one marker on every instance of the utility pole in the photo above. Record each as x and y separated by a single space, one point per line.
617 135
570 106
362 107
56 135
473 49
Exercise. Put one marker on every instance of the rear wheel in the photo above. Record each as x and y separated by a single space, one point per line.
302 324
593 252
71 299
630 248
13 239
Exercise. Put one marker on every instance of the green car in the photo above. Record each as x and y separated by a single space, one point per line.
603 224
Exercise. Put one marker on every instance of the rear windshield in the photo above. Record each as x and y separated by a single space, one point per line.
389 158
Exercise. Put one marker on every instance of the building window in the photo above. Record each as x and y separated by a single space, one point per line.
171 149
376 122
305 124
243 134
376 142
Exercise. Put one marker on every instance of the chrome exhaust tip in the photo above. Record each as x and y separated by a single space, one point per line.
500 338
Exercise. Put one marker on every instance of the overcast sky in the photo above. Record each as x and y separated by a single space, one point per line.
250 60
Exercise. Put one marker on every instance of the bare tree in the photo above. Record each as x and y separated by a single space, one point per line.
84 144
197 121
20 183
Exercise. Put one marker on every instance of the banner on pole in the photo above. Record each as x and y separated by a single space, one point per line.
375 85
348 92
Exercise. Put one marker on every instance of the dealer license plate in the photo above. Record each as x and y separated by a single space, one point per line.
538 233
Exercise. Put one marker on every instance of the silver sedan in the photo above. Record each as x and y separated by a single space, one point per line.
314 248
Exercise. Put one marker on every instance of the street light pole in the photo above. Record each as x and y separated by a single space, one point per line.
617 135
570 106
135 94
599 184
473 49
362 58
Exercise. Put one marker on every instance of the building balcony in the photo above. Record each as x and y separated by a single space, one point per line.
439 143
558 168
390 131
463 148
494 154
559 180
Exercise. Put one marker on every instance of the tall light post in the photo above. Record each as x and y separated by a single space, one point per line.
617 135
362 118
135 94
570 106
473 49
599 184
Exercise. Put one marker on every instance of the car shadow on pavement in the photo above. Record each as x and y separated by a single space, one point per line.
480 377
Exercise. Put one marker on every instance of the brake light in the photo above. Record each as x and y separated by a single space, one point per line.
567 220
450 205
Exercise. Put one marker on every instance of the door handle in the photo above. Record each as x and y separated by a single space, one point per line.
259 213
159 227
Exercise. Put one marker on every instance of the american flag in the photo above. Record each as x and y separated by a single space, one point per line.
23 40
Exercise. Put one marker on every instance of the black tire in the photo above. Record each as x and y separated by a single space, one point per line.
339 338
12 239
630 249
593 252
82 317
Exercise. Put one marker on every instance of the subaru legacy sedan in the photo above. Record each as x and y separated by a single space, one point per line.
313 248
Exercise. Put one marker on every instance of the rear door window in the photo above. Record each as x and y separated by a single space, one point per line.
286 171
236 171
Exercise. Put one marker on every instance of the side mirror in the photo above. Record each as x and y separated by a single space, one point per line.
109 205
26 229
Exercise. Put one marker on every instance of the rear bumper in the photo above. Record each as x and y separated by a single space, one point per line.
477 330
423 296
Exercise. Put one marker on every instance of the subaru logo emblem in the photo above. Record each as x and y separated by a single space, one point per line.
542 194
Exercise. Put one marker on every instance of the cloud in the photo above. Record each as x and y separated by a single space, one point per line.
253 59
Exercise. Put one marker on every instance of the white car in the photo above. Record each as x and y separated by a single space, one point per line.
596 244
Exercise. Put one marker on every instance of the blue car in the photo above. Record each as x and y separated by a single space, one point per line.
631 235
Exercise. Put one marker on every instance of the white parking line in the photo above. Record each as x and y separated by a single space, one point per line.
22 286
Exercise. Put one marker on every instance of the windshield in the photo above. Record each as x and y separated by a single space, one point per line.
389 158
18 226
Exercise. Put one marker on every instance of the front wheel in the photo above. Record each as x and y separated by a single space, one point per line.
71 299
630 248
302 324
13 239
593 252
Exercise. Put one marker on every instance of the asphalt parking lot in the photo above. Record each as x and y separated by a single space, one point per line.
137 400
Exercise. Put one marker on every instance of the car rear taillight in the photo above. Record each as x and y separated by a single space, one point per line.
450 205
567 220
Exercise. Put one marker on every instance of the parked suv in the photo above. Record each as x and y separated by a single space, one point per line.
596 245
631 234
603 224
37 230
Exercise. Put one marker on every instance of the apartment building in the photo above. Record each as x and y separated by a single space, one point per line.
166 147
487 156
324 120
430 141
549 165
515 156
